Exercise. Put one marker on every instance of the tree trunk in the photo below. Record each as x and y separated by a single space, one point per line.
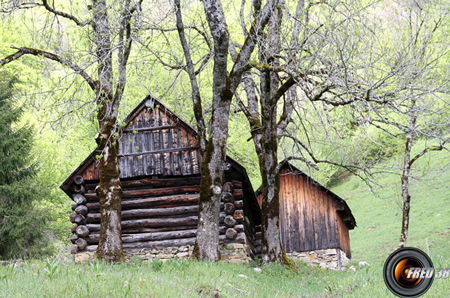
272 249
109 190
211 184
405 191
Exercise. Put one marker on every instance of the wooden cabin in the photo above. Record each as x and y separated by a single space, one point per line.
160 168
312 218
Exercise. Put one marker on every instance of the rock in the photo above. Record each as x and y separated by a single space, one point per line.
243 276
330 251
190 253
165 256
155 251
312 257
352 268
362 264
332 265
257 270
183 249
84 257
323 265
182 254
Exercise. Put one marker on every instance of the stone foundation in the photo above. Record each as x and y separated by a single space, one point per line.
231 253
325 258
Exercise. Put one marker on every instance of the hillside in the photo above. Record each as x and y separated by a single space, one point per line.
378 214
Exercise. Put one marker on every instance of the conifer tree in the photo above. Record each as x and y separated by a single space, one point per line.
22 225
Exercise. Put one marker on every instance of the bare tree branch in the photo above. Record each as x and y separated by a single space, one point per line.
65 15
40 53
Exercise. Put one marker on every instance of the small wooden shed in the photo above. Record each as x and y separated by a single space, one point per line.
160 164
312 217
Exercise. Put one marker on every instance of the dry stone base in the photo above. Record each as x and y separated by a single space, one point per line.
84 257
325 258
232 253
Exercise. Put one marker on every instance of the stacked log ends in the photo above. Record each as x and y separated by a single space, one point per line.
79 199
81 243
231 233
229 208
82 210
228 187
82 231
73 239
230 221
79 189
78 180
227 197
238 215
79 217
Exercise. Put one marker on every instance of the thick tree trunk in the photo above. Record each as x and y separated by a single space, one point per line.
271 246
211 183
109 190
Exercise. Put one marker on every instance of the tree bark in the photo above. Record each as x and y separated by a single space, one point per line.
109 190
405 184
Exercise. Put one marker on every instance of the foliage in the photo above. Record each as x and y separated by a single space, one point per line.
22 224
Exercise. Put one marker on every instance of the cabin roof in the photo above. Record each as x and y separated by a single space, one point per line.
149 102
293 169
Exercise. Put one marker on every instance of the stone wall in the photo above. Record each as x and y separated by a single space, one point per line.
325 258
231 253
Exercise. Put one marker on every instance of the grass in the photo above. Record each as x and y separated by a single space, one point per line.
372 241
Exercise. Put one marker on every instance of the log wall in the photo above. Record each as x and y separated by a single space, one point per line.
158 213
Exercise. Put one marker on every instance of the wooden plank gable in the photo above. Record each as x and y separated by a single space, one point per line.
153 142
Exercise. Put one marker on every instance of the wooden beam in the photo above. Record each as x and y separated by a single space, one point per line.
151 202
153 182
150 192
173 242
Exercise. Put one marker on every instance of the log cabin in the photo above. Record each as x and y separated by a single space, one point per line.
160 167
313 220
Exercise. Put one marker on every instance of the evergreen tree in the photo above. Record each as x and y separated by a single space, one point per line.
22 225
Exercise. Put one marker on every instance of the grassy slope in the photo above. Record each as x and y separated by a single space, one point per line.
372 241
